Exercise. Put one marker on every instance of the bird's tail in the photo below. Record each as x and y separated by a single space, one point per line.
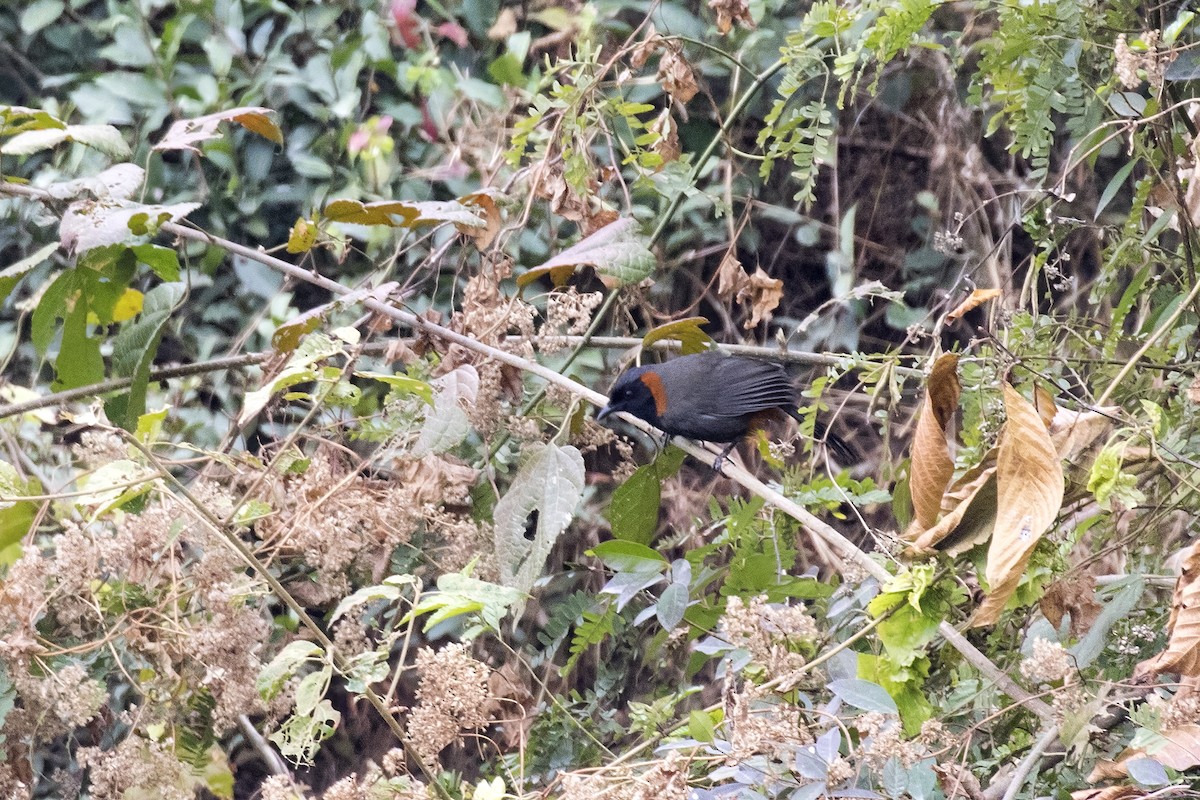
845 453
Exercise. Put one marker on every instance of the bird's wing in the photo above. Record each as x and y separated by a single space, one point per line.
748 386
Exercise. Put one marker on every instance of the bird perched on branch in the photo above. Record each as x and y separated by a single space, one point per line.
709 396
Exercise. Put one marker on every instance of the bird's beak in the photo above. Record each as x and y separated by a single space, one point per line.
604 412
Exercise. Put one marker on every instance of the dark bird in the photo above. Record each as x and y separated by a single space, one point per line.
707 396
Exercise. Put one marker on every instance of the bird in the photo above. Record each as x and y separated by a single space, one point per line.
708 396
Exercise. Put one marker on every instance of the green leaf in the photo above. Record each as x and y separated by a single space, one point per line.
276 674
686 331
625 556
315 347
616 252
311 689
458 593
701 727
389 590
39 14
79 362
402 384
633 511
15 515
671 605
134 348
11 275
864 694
162 260
1114 186
113 485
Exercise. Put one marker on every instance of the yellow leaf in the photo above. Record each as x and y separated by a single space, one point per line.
128 306
1029 493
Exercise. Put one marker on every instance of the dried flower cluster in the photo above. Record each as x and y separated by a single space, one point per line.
771 633
333 518
883 740
1133 67
137 765
664 779
758 722
161 591
452 698
1049 663
568 313
505 323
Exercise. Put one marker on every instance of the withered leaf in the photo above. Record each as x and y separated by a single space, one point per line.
932 466
1029 493
676 76
187 133
977 298
1075 595
1182 653
763 294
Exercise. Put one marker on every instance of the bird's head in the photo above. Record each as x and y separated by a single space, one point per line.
640 392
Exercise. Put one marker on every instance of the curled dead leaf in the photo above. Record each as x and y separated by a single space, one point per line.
968 515
1182 653
676 76
1074 432
977 298
187 133
1177 749
1029 494
931 465
646 48
730 12
1074 594
731 277
763 295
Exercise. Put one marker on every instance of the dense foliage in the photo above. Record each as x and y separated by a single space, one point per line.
306 306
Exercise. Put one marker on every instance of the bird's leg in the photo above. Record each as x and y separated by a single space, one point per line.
724 456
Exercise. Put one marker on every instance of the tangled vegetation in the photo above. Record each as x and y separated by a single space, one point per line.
306 308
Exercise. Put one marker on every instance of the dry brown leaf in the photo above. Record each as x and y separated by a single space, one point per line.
1182 653
668 145
1075 595
731 11
676 76
977 298
1029 493
731 277
1073 432
1043 401
187 133
491 214
1178 749
1108 792
1193 392
969 515
763 294
932 466
646 48
504 26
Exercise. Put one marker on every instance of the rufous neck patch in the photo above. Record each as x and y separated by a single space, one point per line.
659 392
